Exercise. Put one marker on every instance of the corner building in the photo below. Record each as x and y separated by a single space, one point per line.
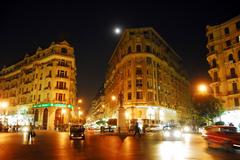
41 87
149 74
224 61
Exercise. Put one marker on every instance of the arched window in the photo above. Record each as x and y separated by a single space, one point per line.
230 57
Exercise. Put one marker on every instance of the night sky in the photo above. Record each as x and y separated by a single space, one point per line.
89 29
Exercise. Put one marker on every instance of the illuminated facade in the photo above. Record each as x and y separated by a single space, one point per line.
148 73
42 85
224 60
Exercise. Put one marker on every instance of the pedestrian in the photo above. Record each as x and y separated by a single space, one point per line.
30 134
137 130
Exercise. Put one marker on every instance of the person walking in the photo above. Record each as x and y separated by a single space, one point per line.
137 130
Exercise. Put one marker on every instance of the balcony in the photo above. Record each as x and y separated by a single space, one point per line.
63 65
61 76
233 92
211 53
232 76
62 88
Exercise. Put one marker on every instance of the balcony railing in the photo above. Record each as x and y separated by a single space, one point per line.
62 88
61 76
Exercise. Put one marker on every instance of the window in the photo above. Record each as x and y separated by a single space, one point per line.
148 49
40 86
217 90
211 48
236 101
129 84
138 48
64 50
232 71
61 85
238 25
62 73
234 86
149 61
226 30
139 71
129 95
238 39
49 85
138 83
41 76
215 76
210 36
228 43
60 97
230 57
129 49
214 63
150 96
62 63
139 95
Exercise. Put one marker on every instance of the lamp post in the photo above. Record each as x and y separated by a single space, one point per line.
202 89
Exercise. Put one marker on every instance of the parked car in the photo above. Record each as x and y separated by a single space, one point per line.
172 133
77 132
225 137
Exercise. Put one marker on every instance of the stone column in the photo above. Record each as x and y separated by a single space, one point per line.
51 118
121 121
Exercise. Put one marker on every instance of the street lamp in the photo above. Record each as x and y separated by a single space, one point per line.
113 98
202 89
79 101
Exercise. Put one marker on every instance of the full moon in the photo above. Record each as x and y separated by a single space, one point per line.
117 30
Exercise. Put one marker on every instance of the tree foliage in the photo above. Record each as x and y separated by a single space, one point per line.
206 108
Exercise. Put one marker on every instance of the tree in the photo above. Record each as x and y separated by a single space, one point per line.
206 108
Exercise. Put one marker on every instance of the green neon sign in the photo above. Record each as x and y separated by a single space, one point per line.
46 105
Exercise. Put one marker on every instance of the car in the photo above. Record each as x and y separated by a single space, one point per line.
225 137
172 133
77 132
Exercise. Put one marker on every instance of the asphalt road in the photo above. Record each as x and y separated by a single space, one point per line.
50 145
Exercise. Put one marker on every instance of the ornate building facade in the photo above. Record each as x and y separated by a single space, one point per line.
42 85
224 60
148 73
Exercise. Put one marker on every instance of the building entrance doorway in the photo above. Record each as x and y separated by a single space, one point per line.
45 118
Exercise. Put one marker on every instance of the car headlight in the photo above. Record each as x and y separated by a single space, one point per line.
166 134
177 134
